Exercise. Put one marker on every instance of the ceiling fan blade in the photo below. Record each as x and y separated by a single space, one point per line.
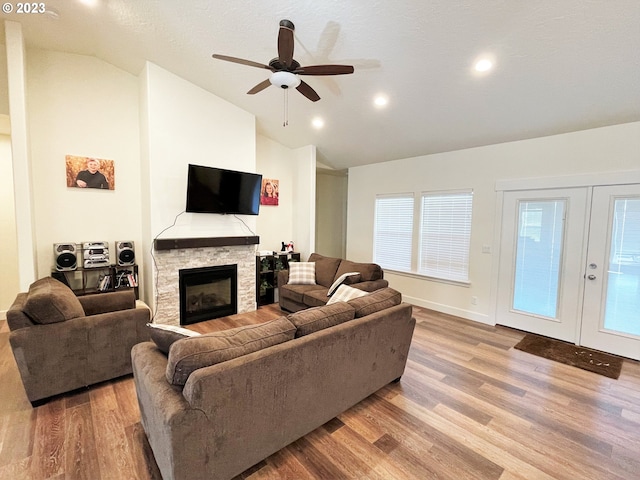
308 92
324 70
241 61
285 44
259 87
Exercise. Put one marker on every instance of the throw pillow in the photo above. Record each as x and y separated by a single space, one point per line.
318 318
376 301
51 301
302 273
346 293
164 335
346 278
191 354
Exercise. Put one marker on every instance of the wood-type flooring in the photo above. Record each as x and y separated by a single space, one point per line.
469 406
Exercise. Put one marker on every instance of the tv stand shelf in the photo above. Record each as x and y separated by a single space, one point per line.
267 268
85 281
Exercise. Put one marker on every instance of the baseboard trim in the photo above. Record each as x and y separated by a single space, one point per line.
449 310
3 314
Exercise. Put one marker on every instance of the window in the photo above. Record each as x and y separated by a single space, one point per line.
393 231
445 234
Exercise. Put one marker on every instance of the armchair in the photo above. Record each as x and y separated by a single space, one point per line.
62 342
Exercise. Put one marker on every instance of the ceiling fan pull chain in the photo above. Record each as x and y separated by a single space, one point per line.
286 107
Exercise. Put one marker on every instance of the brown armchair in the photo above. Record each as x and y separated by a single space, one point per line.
62 342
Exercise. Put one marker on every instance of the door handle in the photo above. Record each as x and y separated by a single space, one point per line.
591 277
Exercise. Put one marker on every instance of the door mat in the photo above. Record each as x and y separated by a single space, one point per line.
569 354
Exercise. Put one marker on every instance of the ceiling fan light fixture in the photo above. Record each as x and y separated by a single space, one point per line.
284 79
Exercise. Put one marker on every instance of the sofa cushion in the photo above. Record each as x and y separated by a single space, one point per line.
376 301
344 293
302 273
319 318
296 293
190 354
326 268
315 298
164 335
348 278
368 271
51 301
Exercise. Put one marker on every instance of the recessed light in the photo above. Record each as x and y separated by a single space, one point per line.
89 3
317 122
380 100
484 65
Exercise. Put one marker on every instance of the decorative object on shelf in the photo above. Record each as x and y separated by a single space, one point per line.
269 193
89 172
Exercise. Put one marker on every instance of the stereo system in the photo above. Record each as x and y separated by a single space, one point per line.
95 254
125 254
65 256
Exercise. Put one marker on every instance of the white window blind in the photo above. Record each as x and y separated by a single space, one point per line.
393 231
445 234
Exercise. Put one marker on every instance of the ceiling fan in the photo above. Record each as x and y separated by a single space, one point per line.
285 70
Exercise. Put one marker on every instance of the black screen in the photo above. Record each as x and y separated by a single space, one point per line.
216 190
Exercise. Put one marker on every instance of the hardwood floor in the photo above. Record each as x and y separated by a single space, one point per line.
469 406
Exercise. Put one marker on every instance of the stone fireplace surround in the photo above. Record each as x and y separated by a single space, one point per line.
173 255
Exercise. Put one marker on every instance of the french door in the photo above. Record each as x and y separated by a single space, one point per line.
570 265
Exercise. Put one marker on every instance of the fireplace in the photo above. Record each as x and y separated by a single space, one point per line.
207 293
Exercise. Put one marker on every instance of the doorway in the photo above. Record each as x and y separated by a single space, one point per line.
570 265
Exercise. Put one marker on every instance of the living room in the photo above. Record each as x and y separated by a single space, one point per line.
152 125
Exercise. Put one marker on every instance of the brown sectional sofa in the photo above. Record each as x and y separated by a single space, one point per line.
328 269
62 342
214 421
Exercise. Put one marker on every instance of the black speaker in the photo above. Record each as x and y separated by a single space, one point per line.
65 256
125 253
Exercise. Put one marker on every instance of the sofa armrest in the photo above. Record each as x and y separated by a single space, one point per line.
108 302
167 418
371 285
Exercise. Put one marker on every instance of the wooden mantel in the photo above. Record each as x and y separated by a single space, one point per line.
177 243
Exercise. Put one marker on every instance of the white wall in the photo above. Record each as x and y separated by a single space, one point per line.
22 187
182 124
304 201
275 223
79 105
9 285
186 124
607 149
331 212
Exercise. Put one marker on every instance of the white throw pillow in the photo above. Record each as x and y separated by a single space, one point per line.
344 293
339 281
302 273
164 335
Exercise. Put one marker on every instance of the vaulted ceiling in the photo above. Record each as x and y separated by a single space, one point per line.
559 66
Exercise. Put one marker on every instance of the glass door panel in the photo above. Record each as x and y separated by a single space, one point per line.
611 313
539 257
623 285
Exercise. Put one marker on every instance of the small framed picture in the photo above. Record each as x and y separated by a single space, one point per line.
269 192
90 172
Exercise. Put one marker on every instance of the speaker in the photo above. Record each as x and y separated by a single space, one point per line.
125 253
65 256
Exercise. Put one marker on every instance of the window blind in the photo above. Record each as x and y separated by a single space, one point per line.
393 231
445 234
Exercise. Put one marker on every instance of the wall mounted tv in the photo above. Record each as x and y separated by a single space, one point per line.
216 190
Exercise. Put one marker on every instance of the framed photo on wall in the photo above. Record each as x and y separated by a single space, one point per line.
90 172
269 193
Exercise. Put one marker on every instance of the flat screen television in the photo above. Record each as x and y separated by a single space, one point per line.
216 190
